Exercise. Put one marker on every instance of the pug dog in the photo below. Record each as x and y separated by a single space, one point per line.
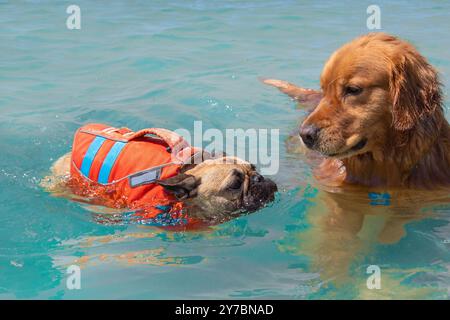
215 190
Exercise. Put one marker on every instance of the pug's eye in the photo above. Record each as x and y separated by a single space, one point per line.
257 178
235 184
352 90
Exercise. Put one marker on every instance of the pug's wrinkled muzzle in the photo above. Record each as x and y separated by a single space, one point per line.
260 192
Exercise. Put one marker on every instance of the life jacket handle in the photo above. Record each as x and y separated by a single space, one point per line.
175 142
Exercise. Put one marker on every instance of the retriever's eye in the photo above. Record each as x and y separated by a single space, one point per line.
352 90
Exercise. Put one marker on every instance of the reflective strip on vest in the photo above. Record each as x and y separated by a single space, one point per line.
90 155
108 163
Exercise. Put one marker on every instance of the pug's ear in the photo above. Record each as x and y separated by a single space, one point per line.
182 186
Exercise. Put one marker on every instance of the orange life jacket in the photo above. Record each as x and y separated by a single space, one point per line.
117 168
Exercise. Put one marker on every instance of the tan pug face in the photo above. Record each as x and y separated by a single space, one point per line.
222 187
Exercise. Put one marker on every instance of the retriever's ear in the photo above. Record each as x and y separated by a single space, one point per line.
182 185
415 89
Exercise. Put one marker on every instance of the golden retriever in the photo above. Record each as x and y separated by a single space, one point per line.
378 131
379 117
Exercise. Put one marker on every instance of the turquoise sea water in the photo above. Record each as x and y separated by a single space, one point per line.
165 64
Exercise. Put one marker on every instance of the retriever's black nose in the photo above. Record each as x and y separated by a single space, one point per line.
309 134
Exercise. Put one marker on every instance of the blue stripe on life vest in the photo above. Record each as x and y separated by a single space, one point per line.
108 163
90 155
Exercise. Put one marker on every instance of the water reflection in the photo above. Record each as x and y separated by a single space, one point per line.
344 231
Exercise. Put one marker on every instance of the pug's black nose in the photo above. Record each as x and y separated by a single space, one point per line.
309 135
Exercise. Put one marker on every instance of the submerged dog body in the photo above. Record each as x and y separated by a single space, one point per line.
158 177
379 118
